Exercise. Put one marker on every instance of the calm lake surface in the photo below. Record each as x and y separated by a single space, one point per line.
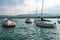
24 31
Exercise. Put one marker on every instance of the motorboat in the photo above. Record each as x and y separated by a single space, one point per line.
28 20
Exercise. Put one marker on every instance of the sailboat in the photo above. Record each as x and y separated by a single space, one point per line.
43 22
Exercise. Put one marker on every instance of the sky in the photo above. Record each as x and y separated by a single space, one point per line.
17 7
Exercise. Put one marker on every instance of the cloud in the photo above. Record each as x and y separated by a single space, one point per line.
50 3
11 10
15 7
28 6
5 10
53 10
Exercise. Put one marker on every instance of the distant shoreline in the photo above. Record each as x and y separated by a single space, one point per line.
29 17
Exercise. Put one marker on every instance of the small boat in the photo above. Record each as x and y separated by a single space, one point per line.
28 20
8 23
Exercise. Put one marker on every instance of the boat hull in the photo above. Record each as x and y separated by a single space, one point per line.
45 24
28 22
8 26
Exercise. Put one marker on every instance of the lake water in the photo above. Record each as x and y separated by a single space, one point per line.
24 31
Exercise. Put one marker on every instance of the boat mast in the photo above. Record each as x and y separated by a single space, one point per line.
36 12
42 8
16 9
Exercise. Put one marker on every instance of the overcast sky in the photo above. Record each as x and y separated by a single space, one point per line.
15 7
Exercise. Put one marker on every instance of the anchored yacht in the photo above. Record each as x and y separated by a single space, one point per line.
43 22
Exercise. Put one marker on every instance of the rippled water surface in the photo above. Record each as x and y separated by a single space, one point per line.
24 31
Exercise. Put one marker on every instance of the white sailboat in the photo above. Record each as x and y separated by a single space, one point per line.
43 22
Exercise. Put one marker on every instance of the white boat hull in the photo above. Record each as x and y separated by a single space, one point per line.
45 23
28 21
